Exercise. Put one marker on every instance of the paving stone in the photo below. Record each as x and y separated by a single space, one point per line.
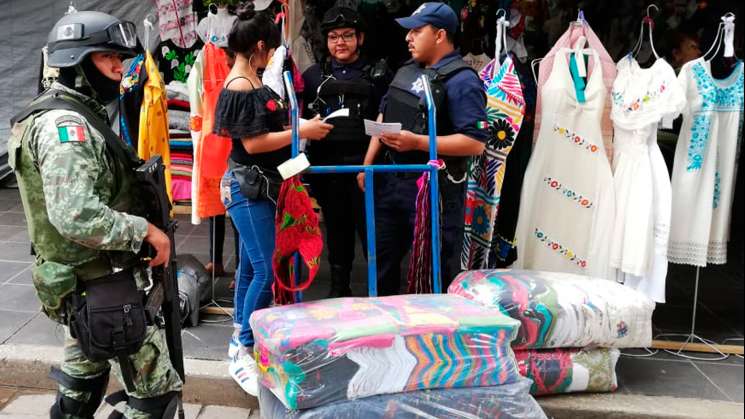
40 331
11 321
12 270
222 412
5 395
728 377
31 404
192 411
18 298
665 378
13 233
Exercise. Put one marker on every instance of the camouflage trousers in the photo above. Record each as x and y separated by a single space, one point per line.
154 374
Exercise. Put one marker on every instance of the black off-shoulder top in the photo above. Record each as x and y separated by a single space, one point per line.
240 114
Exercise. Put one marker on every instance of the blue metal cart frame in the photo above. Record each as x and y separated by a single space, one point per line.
372 269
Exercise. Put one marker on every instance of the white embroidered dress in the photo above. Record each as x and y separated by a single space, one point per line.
567 201
705 165
641 99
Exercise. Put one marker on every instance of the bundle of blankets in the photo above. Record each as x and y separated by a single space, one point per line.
478 351
572 327
414 353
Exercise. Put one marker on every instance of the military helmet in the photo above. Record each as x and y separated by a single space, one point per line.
78 34
341 17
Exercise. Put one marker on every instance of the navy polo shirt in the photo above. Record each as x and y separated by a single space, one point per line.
466 101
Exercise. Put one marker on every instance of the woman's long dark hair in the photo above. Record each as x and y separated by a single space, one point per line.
250 28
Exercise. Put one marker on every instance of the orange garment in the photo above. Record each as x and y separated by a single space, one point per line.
213 150
153 136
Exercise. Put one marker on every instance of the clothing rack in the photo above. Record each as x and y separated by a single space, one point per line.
369 171
694 342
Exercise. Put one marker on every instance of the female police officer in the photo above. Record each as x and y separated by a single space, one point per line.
345 80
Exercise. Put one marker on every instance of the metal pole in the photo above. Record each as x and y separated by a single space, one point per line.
295 122
434 186
372 259
695 302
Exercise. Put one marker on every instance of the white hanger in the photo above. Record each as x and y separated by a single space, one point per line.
501 42
532 68
638 46
148 28
726 35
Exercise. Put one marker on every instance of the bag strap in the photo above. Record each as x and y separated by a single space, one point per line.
54 99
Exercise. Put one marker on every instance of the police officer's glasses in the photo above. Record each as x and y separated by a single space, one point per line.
346 36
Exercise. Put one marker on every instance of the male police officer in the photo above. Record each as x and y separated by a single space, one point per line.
79 195
461 133
346 80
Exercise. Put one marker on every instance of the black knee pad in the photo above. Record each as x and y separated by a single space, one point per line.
159 407
64 405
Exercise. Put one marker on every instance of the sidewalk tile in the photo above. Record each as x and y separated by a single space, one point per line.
665 378
728 377
222 412
20 252
10 270
40 331
32 404
6 393
18 298
10 321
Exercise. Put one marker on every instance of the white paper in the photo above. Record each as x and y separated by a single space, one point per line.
376 129
293 166
336 114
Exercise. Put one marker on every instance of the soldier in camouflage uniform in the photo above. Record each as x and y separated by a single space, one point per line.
81 206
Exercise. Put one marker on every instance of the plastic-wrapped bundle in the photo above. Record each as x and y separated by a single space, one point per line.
509 401
315 353
556 371
561 310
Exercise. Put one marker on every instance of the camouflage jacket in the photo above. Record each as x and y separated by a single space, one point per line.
79 201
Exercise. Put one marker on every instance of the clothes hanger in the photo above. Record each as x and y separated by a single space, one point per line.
650 22
148 28
726 35
501 42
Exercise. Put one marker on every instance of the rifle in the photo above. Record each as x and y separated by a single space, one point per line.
164 292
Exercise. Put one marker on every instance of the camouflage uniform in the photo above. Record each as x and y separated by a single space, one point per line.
80 222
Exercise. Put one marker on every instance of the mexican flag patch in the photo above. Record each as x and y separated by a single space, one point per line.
70 129
74 134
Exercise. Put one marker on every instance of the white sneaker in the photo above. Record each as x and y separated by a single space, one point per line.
244 371
233 347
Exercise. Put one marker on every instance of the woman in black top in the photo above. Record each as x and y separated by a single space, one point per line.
256 119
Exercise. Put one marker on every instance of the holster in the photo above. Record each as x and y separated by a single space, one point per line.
109 320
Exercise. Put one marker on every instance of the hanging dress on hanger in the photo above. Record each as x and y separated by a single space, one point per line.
213 150
153 130
705 166
567 202
177 22
505 108
567 40
641 99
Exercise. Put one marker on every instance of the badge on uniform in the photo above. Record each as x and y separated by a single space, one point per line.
70 129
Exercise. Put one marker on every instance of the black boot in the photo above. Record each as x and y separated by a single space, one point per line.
340 278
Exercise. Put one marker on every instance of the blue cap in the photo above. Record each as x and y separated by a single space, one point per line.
439 15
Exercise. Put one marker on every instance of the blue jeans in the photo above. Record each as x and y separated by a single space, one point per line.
254 219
